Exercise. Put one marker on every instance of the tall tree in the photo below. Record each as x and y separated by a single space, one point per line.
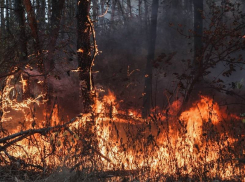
146 19
129 8
2 30
150 57
39 10
42 12
22 42
102 11
11 13
20 16
34 31
95 10
198 31
139 10
57 7
188 5
176 4
84 55
2 18
121 7
175 19
7 17
197 63
49 11
113 8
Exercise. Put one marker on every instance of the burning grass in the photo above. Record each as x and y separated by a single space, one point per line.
204 143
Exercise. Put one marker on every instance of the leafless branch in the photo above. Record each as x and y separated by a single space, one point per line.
23 134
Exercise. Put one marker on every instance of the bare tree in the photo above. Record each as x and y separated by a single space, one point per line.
20 16
2 18
34 31
150 57
140 10
41 5
197 63
113 9
84 55
22 41
7 16
129 8
95 9
198 30
57 7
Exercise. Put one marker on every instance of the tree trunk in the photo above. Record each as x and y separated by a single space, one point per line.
188 5
146 11
11 13
146 21
20 16
84 55
95 10
49 12
188 13
34 32
198 52
102 11
42 13
22 40
150 57
2 18
198 30
139 6
176 10
38 8
2 34
113 8
57 7
129 8
85 65
175 18
7 17
176 4
38 13
120 5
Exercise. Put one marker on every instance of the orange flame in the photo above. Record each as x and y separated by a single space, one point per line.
168 146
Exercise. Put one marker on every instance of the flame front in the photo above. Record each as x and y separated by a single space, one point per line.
196 144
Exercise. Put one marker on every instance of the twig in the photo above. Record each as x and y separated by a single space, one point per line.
107 8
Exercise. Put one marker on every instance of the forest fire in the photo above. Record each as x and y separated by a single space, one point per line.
194 144
125 91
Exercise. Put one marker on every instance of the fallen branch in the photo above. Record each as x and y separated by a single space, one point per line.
23 134
14 138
